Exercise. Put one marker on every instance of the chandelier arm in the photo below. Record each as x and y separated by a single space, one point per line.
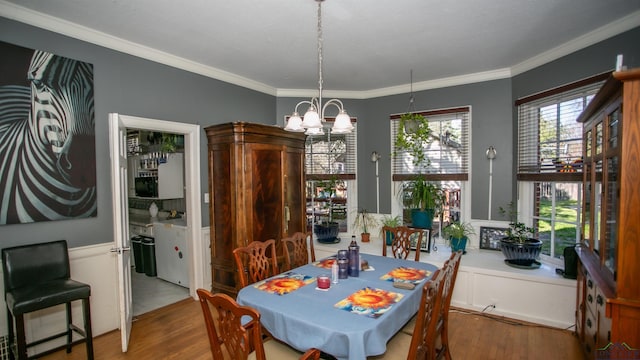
335 102
303 102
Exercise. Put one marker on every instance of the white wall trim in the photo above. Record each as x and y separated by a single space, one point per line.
47 22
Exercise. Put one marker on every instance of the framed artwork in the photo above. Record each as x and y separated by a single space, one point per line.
426 241
490 237
47 158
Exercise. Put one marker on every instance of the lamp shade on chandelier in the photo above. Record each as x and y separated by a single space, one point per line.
312 121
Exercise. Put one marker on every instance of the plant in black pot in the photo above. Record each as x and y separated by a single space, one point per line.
519 247
327 230
425 198
458 234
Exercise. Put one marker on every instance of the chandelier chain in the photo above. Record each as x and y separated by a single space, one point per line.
320 54
411 107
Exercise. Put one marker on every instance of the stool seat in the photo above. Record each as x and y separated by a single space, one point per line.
36 277
51 293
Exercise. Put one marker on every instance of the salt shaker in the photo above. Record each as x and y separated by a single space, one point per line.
334 272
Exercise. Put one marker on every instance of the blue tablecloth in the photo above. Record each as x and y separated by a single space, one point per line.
307 317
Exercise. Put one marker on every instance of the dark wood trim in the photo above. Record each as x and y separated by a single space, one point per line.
435 112
555 177
431 177
560 89
330 176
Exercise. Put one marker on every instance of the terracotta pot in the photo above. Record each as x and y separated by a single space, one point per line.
365 237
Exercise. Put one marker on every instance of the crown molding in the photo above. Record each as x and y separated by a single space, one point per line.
37 19
47 22
605 32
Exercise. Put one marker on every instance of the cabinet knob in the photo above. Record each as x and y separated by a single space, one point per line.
599 300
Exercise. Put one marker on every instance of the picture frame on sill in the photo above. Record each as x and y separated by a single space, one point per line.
425 246
490 237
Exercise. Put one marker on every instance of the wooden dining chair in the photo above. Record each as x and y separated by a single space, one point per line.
235 332
421 344
296 251
450 269
256 261
401 243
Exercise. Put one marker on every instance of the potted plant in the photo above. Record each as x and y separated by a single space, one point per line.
390 221
414 134
458 234
519 247
425 198
364 221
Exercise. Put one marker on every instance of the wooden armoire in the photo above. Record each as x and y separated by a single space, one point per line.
256 187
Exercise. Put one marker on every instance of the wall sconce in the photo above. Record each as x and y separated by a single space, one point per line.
374 158
491 154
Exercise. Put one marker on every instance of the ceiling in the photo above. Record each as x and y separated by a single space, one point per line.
370 47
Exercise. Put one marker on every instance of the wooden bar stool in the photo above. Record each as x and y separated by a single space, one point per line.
36 277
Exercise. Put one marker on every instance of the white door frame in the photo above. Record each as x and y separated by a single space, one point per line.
191 134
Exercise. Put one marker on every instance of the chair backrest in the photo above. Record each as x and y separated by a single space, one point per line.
296 251
401 243
261 261
450 281
34 264
423 340
223 319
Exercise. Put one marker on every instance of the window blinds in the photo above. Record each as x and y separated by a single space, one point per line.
448 152
549 137
331 156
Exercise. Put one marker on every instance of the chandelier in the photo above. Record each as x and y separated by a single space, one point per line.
312 121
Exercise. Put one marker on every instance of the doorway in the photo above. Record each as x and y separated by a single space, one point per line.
192 198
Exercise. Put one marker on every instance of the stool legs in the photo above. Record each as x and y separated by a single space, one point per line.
69 327
86 309
20 339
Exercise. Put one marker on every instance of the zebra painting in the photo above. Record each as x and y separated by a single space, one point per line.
47 137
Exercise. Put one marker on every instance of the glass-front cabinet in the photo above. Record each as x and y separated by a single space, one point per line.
608 292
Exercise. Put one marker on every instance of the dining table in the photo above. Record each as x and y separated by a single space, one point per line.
353 318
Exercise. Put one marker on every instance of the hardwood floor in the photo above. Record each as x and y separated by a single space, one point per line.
178 332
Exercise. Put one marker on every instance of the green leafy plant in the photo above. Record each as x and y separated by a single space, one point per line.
364 220
169 143
458 230
390 221
422 194
413 135
518 231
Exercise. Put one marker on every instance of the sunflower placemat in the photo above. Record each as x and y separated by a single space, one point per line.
325 263
284 283
406 274
369 302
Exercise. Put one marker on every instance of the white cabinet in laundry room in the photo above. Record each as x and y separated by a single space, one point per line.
172 254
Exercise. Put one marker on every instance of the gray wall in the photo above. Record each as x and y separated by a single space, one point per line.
134 86
491 125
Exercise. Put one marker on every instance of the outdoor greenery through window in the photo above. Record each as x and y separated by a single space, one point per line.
448 160
330 162
550 162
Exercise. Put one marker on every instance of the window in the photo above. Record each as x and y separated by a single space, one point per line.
448 156
330 166
550 162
